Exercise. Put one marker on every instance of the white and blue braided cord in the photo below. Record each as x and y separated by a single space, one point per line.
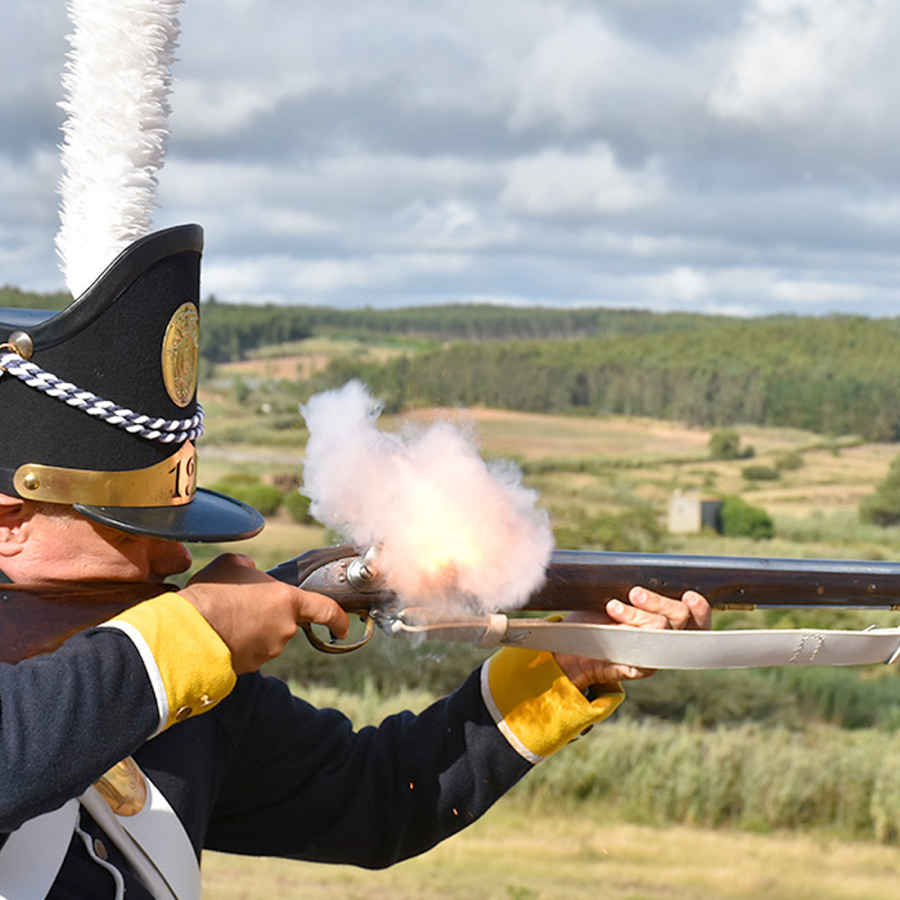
166 431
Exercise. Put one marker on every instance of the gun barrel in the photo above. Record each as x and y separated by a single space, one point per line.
582 579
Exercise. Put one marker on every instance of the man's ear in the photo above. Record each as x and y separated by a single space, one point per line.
13 516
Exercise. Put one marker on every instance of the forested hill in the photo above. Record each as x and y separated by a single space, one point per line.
483 322
838 375
834 375
231 330
19 299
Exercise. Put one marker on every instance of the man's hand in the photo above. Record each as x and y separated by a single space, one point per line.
647 610
255 615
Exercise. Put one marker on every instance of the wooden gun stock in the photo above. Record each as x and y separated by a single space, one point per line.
36 619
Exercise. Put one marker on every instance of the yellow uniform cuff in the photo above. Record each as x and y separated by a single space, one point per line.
535 705
193 664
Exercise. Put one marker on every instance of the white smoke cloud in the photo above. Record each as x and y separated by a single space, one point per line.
449 526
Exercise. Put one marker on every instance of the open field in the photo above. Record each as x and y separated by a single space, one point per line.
305 358
600 466
517 854
597 466
532 436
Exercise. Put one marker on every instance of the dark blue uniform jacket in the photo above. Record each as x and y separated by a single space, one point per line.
262 773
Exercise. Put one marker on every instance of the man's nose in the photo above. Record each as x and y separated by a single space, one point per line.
169 558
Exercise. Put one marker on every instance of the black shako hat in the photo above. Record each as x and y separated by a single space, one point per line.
100 401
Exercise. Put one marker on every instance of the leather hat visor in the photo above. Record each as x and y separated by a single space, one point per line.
210 516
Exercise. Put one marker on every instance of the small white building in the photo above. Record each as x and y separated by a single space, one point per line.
691 513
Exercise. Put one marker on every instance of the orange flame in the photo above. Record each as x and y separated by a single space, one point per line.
442 539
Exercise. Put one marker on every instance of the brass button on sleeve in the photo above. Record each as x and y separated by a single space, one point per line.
184 713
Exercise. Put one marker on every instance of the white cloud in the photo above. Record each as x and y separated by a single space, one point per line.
453 225
568 73
217 109
559 183
815 293
323 280
882 212
795 61
704 155
682 283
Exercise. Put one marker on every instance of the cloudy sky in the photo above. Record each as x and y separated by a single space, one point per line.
734 156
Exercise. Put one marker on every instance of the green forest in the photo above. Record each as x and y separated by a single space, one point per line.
834 375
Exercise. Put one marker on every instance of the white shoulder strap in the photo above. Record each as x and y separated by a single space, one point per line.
33 854
714 649
658 649
153 841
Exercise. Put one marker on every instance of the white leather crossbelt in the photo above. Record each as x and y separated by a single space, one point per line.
153 841
32 856
657 649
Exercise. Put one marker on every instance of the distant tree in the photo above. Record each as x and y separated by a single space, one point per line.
263 497
17 298
760 473
297 506
790 461
725 444
241 390
883 507
740 519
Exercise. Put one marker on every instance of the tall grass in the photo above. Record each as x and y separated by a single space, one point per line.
842 527
751 778
748 777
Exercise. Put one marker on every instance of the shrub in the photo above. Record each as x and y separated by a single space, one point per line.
707 698
883 507
725 444
634 529
262 497
297 506
241 390
747 777
790 461
760 473
740 519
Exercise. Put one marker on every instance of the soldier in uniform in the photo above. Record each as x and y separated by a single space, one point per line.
137 743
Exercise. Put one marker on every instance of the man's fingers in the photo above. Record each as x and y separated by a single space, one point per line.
583 672
318 609
691 612
229 567
701 611
254 614
646 610
633 615
613 672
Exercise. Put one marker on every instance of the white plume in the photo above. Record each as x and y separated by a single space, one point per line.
117 84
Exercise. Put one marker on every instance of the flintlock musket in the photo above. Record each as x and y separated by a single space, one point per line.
36 619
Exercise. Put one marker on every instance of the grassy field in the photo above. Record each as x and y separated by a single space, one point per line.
517 854
305 358
535 846
597 466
